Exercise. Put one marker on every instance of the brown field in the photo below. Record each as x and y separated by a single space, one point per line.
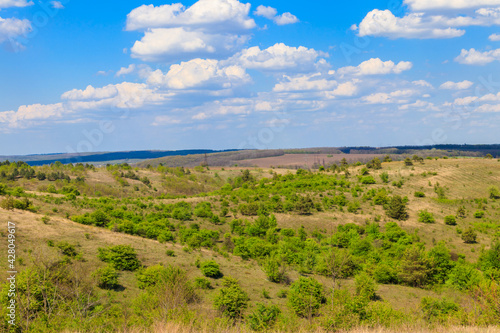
305 160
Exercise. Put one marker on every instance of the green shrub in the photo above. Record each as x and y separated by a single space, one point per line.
435 309
384 176
469 236
202 283
263 317
121 257
365 286
67 249
463 276
397 208
367 180
385 273
419 194
275 269
107 277
232 300
490 259
479 214
306 297
450 220
210 269
425 217
170 253
494 192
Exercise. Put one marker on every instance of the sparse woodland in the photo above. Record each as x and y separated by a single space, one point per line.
409 245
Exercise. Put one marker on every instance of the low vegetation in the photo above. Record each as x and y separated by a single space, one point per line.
411 243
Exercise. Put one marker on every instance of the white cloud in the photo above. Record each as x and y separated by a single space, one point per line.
158 44
388 98
12 28
494 38
473 57
198 73
488 108
346 89
122 95
457 85
266 11
375 66
424 5
383 23
423 83
286 18
304 83
278 57
272 14
57 5
465 100
126 70
420 105
15 3
210 15
29 114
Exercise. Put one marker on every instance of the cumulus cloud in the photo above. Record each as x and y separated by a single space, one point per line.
11 28
424 5
473 57
457 85
209 15
375 66
122 95
494 38
420 106
266 11
198 73
305 83
162 43
57 5
28 114
423 83
388 98
278 57
126 70
383 23
272 14
15 3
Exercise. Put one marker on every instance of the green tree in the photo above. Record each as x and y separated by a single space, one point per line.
469 236
306 297
384 176
107 277
263 317
121 257
425 217
450 220
494 192
415 268
365 286
232 300
210 269
397 208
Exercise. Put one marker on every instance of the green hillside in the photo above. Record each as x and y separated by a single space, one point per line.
396 246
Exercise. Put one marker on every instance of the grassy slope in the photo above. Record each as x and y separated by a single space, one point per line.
466 179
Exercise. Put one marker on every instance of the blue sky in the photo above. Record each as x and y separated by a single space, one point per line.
79 76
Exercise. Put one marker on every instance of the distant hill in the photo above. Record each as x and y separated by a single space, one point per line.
230 157
35 160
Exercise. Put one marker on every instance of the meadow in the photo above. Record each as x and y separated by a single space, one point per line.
369 246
